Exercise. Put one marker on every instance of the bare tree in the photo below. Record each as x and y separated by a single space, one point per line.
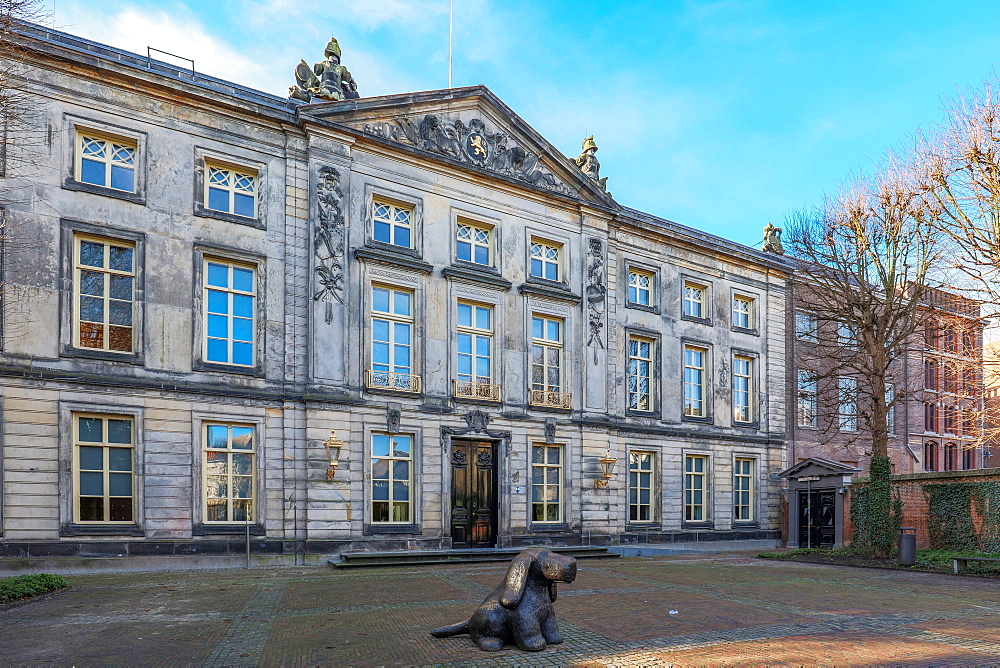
866 260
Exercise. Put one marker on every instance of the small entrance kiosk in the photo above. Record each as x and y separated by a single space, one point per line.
815 495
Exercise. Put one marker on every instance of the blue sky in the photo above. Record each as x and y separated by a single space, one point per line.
720 115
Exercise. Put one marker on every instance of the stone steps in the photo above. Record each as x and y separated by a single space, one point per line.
469 556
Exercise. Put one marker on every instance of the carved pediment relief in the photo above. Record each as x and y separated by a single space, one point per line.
472 143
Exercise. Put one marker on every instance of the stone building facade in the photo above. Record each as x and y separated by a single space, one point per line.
213 280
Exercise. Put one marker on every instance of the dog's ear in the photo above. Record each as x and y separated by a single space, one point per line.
517 578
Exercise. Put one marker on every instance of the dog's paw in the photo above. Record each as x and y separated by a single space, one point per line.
490 644
532 644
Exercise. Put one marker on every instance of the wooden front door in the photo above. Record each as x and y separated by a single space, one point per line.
817 518
473 494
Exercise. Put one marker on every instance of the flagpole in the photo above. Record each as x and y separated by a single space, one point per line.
451 38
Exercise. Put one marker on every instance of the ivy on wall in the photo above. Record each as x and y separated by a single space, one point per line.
950 515
876 511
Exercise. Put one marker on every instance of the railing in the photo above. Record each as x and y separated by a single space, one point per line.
549 399
483 391
384 380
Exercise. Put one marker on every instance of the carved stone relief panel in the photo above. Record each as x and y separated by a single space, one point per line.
328 241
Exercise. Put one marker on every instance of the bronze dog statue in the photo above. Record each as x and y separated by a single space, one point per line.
519 611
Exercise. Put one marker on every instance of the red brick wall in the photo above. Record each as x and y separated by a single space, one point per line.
915 508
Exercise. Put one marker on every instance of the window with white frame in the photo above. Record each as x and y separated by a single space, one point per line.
392 224
639 373
546 353
231 189
890 416
230 318
546 483
104 160
807 399
103 469
743 315
392 339
474 243
806 326
847 337
229 473
847 388
545 260
475 343
743 491
640 486
392 479
640 287
695 472
695 300
694 381
742 388
104 292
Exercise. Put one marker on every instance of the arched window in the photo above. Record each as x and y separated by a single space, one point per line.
930 456
950 457
968 458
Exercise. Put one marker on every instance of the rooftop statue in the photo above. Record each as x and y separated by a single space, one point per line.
772 240
327 80
588 164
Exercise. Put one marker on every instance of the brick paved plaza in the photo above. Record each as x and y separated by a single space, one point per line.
731 609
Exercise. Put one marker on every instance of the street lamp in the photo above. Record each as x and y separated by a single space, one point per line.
333 446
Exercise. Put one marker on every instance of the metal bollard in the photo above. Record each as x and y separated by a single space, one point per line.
907 552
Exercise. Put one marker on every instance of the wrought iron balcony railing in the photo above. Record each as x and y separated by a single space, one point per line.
549 399
400 382
471 390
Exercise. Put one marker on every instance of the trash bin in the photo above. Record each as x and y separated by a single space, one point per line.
907 553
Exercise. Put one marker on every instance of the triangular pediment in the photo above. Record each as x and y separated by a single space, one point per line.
817 466
469 128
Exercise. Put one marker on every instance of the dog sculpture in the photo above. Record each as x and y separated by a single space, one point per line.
519 611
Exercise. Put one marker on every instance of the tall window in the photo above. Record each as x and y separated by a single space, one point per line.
950 457
930 456
742 388
472 243
640 287
105 161
930 417
694 300
847 387
392 476
392 224
930 375
890 417
743 492
640 486
546 354
695 469
640 364
847 337
546 483
104 287
545 260
968 458
392 339
230 296
475 343
694 381
949 413
230 480
807 399
103 468
806 326
231 190
743 312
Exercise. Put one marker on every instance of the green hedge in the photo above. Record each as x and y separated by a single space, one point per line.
950 509
23 586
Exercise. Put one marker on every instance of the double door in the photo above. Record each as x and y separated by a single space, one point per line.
473 493
817 518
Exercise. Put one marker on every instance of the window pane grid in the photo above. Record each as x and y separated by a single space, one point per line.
104 287
546 354
640 362
694 300
742 312
475 343
848 394
472 243
392 224
694 488
231 191
392 334
103 457
640 287
546 483
743 490
230 313
807 394
391 476
544 260
694 381
640 480
106 162
229 473
742 384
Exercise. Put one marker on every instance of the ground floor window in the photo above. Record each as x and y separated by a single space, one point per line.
743 490
230 480
103 469
640 486
930 456
392 478
695 468
546 483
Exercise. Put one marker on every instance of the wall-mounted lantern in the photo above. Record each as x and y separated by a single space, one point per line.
333 446
607 468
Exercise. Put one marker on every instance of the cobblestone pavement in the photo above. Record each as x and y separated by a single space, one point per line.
730 610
